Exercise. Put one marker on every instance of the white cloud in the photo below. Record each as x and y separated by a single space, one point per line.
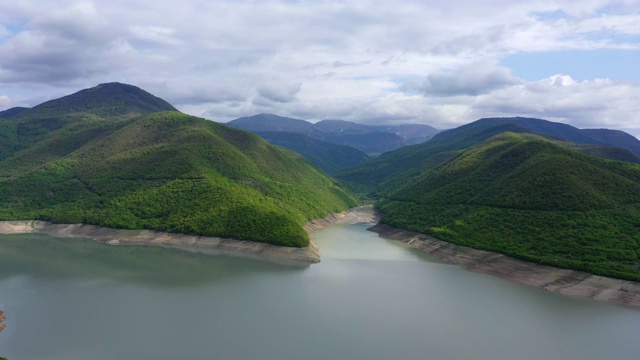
155 34
80 21
277 91
323 59
5 102
620 24
472 79
595 103
62 45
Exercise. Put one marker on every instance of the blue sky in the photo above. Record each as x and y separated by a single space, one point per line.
381 62
619 65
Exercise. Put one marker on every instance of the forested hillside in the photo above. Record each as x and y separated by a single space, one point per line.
532 198
328 157
389 171
165 171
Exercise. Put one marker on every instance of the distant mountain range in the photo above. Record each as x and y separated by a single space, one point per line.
606 137
372 140
329 157
404 162
117 156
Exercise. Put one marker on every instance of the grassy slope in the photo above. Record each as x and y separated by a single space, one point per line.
530 198
165 171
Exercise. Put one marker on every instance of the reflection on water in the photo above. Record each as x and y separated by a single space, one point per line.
43 256
368 299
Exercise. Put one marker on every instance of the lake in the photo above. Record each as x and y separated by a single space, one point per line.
369 298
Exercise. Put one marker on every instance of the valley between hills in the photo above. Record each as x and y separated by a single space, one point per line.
116 156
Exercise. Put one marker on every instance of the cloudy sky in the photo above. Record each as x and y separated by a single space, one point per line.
442 63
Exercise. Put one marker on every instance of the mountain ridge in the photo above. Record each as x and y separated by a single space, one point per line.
448 143
104 100
369 139
329 157
12 112
162 170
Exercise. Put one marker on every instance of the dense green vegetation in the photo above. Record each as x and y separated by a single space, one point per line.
329 157
8 138
12 112
87 111
530 198
165 171
392 169
112 156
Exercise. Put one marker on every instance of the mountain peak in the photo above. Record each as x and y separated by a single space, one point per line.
272 122
566 132
12 112
104 100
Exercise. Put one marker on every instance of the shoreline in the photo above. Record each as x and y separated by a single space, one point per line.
562 281
193 243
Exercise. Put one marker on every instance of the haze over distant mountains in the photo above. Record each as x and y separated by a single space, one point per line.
327 156
370 139
605 143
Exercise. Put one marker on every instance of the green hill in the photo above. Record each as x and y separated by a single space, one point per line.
8 137
12 112
165 171
531 198
564 132
105 100
84 111
615 138
329 157
389 171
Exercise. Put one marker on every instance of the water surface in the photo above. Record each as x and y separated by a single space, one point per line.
369 298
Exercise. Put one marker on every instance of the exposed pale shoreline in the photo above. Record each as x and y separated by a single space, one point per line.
562 281
192 243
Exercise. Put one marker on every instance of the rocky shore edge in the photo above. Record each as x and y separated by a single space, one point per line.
562 281
192 243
